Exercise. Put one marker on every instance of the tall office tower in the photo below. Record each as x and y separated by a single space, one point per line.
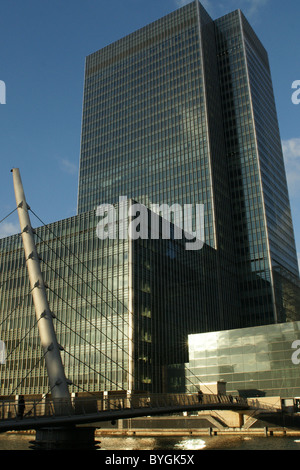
152 130
158 127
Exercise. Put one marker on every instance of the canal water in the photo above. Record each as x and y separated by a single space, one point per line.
23 442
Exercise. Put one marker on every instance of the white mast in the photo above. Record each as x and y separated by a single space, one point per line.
57 379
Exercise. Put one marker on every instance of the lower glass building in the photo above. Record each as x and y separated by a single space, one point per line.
123 307
258 361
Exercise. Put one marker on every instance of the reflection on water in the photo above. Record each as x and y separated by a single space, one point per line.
190 444
22 442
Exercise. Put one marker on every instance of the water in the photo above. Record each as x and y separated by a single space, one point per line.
22 442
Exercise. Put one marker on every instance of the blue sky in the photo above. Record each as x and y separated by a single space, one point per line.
43 48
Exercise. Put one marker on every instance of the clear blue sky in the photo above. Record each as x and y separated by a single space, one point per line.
43 48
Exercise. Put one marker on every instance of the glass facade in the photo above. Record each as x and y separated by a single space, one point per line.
144 130
259 361
123 307
176 292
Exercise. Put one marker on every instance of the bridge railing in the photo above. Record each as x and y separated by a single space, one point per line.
166 400
259 405
35 409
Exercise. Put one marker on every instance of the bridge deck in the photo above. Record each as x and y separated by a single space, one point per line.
39 414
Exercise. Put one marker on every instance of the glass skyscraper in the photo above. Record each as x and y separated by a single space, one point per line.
182 111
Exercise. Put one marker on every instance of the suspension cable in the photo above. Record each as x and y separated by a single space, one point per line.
8 215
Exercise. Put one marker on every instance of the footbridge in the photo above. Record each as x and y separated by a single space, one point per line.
39 414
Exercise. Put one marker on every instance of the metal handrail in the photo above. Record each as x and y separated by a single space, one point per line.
35 409
262 406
